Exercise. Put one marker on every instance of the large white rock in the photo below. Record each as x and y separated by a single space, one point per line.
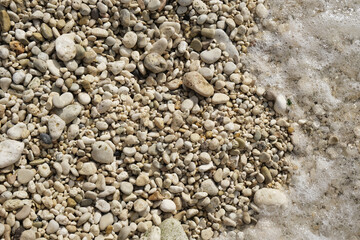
65 47
270 197
17 132
10 152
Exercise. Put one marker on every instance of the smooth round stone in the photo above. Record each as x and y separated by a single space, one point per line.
167 205
220 98
44 170
142 180
205 157
124 233
264 157
198 83
46 31
10 152
102 205
140 205
52 227
18 131
261 11
28 235
45 138
153 5
18 77
65 47
23 213
209 125
40 65
270 197
210 56
187 104
70 112
130 39
63 100
4 53
159 46
129 151
84 98
25 175
229 68
106 220
155 63
88 169
102 152
126 188
209 187
185 3
56 126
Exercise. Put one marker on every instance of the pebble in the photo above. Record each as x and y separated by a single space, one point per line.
270 197
102 152
13 204
130 39
209 187
210 56
102 205
18 77
200 7
280 104
10 152
126 188
155 62
220 98
140 205
17 132
261 11
28 235
142 180
124 233
4 52
23 213
84 98
153 5
56 126
229 68
25 175
46 31
45 138
159 46
63 100
207 234
172 229
198 83
70 112
106 220
40 65
88 169
167 205
154 233
65 47
52 227
5 23
222 37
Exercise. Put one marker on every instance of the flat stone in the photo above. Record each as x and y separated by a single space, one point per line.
124 233
40 65
88 169
220 98
100 32
23 213
209 187
198 83
52 227
270 197
106 220
167 205
25 175
46 31
116 67
5 23
54 67
210 56
10 152
56 126
69 113
102 152
65 47
171 229
155 63
102 205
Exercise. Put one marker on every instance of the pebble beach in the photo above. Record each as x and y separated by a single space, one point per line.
152 120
